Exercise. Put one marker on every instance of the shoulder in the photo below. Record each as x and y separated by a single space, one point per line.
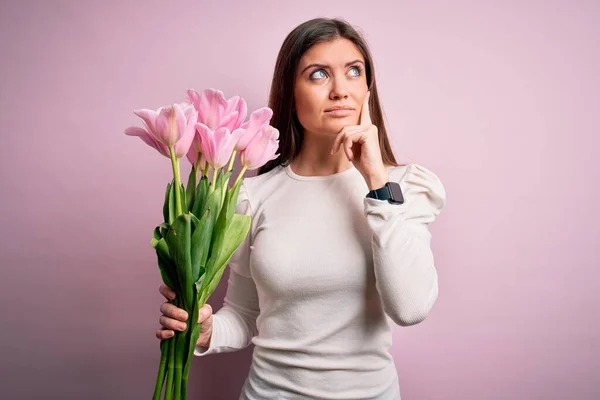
423 190
254 188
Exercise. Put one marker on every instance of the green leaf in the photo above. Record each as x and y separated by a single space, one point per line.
222 178
222 181
195 221
165 264
200 196
201 243
166 204
156 236
191 339
179 240
236 233
219 244
163 228
198 284
213 203
182 199
217 233
233 198
166 272
172 209
190 191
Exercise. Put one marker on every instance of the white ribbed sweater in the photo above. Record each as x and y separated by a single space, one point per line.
320 272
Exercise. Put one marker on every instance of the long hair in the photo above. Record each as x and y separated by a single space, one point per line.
281 98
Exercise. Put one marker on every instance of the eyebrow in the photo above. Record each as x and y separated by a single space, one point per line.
327 66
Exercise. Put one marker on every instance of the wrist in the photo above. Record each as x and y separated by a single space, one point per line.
377 181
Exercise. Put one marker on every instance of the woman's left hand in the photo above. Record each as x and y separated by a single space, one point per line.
361 145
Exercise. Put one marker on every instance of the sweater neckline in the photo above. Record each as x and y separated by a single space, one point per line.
340 174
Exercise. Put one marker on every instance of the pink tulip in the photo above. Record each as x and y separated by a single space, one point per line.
168 126
258 120
261 149
217 146
215 111
148 139
192 155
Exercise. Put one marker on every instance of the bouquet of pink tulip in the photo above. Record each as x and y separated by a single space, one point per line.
201 230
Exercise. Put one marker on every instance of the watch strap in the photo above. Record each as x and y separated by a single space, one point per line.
390 191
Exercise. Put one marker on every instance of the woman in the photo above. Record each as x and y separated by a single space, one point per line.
325 265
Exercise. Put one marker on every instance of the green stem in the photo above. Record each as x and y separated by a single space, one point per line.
179 352
160 379
198 161
213 184
170 370
192 339
178 362
175 165
240 176
231 160
205 172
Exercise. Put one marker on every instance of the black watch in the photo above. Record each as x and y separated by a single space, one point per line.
390 192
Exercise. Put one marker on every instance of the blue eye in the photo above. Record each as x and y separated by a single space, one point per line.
312 76
357 69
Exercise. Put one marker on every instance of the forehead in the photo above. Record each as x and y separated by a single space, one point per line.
336 52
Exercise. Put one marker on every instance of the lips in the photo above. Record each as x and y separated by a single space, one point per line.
339 112
338 108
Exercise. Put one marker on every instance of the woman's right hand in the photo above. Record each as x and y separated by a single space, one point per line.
174 318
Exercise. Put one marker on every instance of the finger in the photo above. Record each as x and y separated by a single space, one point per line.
173 311
365 114
167 292
349 143
342 135
348 148
164 334
170 323
204 313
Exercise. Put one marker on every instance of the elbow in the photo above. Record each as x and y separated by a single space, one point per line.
412 312
408 319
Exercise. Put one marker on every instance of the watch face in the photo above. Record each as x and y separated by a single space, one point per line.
396 192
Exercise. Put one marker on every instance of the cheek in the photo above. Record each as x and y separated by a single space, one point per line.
307 100
308 105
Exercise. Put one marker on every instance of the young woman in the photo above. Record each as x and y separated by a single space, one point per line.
339 243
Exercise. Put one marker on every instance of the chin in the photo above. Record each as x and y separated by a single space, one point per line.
335 126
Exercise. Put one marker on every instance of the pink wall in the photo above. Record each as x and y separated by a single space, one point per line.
501 100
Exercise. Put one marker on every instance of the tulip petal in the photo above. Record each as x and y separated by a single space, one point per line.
192 155
229 120
258 120
148 139
212 108
149 119
236 104
224 144
182 147
264 146
207 142
166 126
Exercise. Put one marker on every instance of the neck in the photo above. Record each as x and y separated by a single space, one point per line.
314 158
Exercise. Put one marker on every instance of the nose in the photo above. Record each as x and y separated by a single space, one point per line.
339 89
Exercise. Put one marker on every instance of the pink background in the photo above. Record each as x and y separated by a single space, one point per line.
500 99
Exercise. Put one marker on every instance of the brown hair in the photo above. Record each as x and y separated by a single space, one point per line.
281 100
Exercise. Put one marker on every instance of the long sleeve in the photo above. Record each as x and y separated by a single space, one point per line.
406 278
234 325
